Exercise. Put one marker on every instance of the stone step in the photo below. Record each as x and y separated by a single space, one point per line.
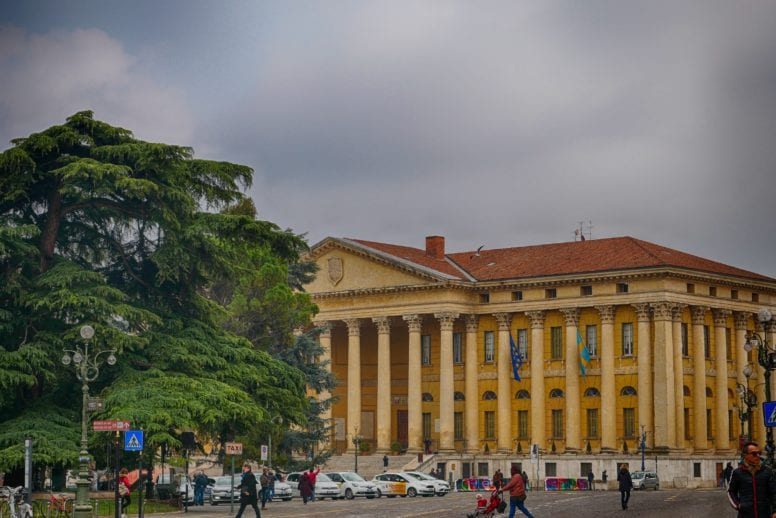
368 465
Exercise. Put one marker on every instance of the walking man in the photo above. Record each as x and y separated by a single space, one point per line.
248 491
590 480
264 481
200 483
385 463
752 489
517 496
626 484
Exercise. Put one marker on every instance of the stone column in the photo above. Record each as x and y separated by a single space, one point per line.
354 379
722 432
608 386
538 417
699 379
644 366
665 405
504 416
324 339
383 383
471 407
573 428
446 387
676 321
414 408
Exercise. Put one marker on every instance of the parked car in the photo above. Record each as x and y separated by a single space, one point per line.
351 484
222 490
401 484
324 487
283 491
441 487
645 480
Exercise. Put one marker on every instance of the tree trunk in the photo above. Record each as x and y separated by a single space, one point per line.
48 238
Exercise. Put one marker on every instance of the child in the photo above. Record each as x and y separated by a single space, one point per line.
482 502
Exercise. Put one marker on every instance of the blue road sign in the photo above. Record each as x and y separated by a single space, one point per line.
769 413
133 440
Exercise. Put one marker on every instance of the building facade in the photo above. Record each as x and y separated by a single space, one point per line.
619 339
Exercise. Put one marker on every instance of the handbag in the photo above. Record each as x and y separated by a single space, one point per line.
502 506
123 489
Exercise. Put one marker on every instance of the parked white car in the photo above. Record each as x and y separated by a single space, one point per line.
283 491
441 487
401 484
351 484
324 487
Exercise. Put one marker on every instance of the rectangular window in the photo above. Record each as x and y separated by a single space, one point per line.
425 349
709 427
713 291
557 424
550 293
728 344
627 339
592 423
585 468
489 347
755 297
490 424
457 347
685 346
731 431
706 343
458 425
696 469
522 343
690 287
629 422
591 340
484 298
482 469
522 424
622 287
466 469
427 425
517 295
556 343
586 291
734 294
687 423
551 469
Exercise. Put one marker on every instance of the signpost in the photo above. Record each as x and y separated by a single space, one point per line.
232 448
110 426
133 441
769 413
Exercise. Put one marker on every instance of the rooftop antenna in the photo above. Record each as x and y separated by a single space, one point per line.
582 233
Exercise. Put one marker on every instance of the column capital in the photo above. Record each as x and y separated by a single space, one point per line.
662 310
698 314
472 323
676 312
642 311
606 314
503 319
446 320
741 319
414 322
383 325
324 326
354 326
720 316
571 315
537 319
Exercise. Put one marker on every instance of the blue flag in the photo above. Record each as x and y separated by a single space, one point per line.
517 358
584 355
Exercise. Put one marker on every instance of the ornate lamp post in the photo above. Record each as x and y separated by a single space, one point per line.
357 447
748 402
643 446
766 357
87 368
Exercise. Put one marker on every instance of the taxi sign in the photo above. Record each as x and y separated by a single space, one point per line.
133 440
110 426
233 448
769 413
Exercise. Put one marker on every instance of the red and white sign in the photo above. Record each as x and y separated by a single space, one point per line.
110 426
233 448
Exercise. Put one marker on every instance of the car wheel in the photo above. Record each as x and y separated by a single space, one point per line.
349 494
412 492
657 486
378 493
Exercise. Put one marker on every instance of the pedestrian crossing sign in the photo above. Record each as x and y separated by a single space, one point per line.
133 440
769 413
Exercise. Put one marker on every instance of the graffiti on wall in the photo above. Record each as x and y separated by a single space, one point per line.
473 484
565 484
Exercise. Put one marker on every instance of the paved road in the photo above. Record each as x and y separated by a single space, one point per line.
663 503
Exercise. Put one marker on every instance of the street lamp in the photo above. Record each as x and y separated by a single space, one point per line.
357 447
643 446
87 368
748 402
766 357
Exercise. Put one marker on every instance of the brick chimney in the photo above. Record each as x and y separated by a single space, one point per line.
435 247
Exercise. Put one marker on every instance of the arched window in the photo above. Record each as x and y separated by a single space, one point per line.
556 393
592 392
458 396
628 391
489 396
709 393
427 397
686 391
523 394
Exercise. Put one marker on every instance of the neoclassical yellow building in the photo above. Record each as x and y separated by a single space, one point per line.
420 342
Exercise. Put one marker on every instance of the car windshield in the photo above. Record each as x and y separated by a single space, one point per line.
224 481
322 478
352 477
637 474
423 476
416 476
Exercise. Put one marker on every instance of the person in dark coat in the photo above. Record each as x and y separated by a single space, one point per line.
590 480
247 489
752 489
626 484
305 487
726 473
498 479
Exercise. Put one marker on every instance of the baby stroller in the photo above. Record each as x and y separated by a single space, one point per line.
495 505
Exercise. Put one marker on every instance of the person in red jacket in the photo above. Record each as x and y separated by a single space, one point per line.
312 475
124 490
516 488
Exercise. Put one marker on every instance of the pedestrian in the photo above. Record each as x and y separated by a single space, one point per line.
264 481
124 491
517 496
726 473
525 479
305 487
752 489
626 484
271 485
385 463
604 476
590 480
498 479
247 489
313 476
200 483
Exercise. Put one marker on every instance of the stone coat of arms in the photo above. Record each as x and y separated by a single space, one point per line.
335 270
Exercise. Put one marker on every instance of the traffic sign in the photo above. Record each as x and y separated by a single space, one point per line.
264 451
769 413
133 440
110 426
233 448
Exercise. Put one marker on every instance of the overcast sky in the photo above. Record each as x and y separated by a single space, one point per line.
491 123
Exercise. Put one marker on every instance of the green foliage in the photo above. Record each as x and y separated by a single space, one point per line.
99 228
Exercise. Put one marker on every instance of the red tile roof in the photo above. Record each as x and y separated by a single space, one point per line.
577 257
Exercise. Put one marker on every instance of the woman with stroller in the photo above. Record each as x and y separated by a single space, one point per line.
516 488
